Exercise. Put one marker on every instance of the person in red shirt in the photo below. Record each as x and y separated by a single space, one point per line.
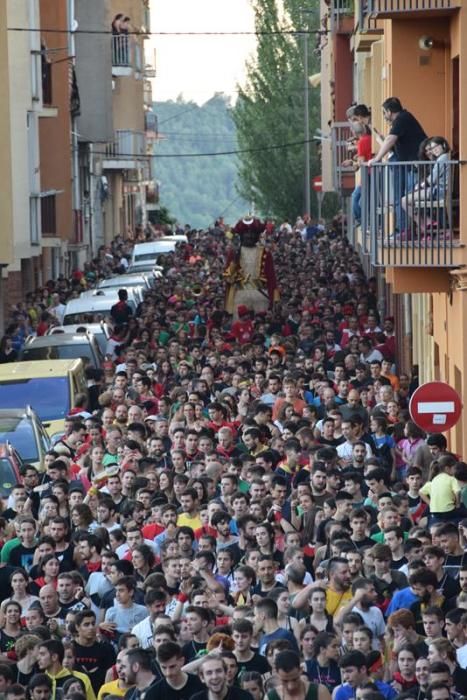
242 330
363 155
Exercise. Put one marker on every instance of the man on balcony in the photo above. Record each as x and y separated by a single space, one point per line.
404 140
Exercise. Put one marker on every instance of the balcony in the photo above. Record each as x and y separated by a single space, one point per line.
367 29
341 16
341 138
419 230
150 124
386 9
126 151
126 55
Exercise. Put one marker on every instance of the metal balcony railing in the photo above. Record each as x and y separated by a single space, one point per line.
341 141
127 145
386 8
338 10
410 213
150 123
126 52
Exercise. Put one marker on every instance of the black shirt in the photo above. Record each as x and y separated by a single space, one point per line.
22 556
163 691
190 650
94 661
409 134
233 693
257 663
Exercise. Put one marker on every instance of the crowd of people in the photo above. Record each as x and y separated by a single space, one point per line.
238 509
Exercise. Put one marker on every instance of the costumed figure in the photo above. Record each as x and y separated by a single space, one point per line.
249 272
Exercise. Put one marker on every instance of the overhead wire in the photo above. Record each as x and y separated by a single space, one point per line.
117 156
104 32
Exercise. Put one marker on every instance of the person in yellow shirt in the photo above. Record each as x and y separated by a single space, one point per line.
338 590
117 687
442 491
190 516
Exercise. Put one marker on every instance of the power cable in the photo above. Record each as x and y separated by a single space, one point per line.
117 156
104 32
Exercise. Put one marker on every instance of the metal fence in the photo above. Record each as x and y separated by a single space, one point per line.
410 212
127 145
126 52
341 138
338 10
388 7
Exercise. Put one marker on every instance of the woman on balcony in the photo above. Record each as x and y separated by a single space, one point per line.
426 205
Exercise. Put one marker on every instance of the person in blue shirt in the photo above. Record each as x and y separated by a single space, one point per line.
354 673
405 597
266 613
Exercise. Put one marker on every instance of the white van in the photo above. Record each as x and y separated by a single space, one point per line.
144 253
94 306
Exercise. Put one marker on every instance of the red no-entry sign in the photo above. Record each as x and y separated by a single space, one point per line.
435 407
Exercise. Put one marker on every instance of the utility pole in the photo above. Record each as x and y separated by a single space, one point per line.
306 120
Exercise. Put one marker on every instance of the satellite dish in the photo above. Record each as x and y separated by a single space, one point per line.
74 25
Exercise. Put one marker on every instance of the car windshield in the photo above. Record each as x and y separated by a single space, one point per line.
70 351
19 432
48 396
7 477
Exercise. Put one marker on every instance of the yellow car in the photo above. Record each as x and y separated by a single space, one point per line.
48 386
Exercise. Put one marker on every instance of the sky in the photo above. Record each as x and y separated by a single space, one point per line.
199 66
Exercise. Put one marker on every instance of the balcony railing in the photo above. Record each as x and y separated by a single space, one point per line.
127 145
341 137
386 8
126 54
410 213
150 123
338 10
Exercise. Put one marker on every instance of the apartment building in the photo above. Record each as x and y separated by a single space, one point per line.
126 165
76 132
415 50
20 239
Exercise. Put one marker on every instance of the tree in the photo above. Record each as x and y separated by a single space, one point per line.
270 111
200 189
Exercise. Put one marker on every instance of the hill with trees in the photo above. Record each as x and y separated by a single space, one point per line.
198 190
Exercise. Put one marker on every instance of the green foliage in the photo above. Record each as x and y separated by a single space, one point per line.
198 190
270 110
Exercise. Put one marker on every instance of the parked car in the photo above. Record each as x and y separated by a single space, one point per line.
49 386
148 253
64 346
10 469
127 280
101 331
93 307
22 428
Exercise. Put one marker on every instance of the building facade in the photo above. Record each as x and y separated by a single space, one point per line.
76 132
416 51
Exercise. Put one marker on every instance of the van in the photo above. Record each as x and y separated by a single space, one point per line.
48 386
148 253
94 306
101 332
64 346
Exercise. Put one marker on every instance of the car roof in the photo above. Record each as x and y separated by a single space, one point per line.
89 304
132 280
32 369
94 328
160 246
46 341
15 412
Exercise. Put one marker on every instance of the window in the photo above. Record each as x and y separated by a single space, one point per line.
48 215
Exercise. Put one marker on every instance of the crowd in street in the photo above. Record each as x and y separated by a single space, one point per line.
239 509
